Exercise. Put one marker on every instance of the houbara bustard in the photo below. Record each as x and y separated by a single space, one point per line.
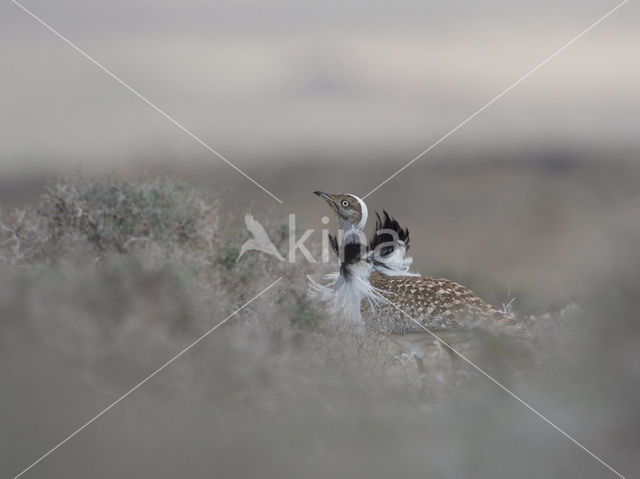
376 288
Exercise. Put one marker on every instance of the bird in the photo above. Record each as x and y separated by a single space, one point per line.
260 240
376 288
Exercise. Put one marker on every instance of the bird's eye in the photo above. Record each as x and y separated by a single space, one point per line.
345 203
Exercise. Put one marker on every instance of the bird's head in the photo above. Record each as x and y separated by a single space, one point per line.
350 210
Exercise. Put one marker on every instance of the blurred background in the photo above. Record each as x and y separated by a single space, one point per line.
537 198
337 96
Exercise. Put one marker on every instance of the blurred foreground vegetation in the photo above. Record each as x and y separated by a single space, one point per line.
108 278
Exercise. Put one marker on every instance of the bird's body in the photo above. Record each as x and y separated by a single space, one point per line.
377 289
416 302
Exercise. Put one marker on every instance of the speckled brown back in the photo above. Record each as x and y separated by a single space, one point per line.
435 303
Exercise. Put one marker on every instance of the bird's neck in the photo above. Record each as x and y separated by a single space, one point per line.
353 251
350 234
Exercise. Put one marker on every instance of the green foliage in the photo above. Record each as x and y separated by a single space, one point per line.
136 240
306 315
228 255
111 214
283 231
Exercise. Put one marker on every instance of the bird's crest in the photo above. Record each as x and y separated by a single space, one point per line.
388 231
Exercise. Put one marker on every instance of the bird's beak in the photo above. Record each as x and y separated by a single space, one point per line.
329 198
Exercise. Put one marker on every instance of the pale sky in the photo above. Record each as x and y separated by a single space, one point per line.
260 80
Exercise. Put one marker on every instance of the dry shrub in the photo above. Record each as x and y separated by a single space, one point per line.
109 279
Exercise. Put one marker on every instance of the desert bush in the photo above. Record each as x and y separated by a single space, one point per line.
157 225
112 214
104 215
108 279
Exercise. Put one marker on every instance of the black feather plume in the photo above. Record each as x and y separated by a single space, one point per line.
384 234
334 245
